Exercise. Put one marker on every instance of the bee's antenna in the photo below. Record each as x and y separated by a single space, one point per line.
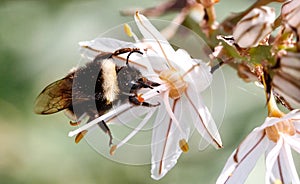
127 59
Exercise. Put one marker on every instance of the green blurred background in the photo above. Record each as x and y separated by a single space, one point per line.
38 44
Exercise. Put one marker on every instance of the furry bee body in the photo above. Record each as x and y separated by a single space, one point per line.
93 89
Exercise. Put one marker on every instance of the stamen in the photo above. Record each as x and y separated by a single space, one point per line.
75 123
111 114
170 112
286 127
140 98
183 145
277 181
113 149
78 121
128 31
175 81
156 39
79 136
191 69
135 131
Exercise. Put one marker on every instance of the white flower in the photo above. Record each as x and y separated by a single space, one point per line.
181 108
278 134
254 27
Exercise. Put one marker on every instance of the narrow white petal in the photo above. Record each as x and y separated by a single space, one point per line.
295 114
291 169
154 38
135 113
271 158
204 123
183 60
90 49
278 169
165 142
294 142
200 76
244 158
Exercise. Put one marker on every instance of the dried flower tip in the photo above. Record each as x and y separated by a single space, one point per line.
183 145
254 27
113 149
245 72
79 136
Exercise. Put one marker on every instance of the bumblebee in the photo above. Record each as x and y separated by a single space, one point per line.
91 90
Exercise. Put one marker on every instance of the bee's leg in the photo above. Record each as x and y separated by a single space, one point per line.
136 100
126 50
105 128
139 84
108 55
143 83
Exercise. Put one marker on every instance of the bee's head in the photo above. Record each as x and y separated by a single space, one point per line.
127 76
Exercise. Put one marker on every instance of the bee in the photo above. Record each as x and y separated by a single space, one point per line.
91 90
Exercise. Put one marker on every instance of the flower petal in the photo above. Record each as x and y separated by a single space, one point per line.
90 49
183 60
294 142
154 39
200 76
295 114
136 129
278 169
271 157
254 27
244 158
289 161
165 142
204 122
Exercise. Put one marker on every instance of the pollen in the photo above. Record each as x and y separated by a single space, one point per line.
75 123
127 30
140 98
79 136
183 145
112 150
175 81
277 181
286 127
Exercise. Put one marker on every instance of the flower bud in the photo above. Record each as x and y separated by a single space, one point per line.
290 13
286 80
254 27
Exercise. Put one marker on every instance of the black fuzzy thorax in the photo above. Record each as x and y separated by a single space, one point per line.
88 93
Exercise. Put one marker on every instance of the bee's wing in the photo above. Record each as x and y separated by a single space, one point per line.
55 97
